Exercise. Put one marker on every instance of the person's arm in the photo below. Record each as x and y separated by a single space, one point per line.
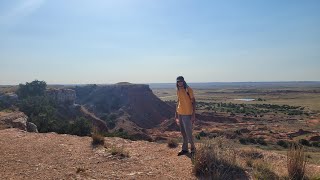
176 112
193 101
193 118
176 115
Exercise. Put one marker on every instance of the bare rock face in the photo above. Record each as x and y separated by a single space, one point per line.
65 96
14 120
144 108
31 127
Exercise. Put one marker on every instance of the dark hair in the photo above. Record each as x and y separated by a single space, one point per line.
185 85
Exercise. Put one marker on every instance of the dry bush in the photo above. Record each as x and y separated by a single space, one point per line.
296 162
119 152
172 143
263 171
216 159
97 138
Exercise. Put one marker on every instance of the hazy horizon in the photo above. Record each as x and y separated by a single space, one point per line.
142 41
157 83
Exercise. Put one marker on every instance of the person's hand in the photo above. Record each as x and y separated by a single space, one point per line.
177 121
193 119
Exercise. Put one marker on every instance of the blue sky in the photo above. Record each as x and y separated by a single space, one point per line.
143 41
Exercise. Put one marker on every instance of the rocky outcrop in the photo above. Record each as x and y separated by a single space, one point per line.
62 96
16 120
137 100
31 127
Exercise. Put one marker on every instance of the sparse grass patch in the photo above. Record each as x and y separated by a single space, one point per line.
119 152
251 154
296 162
216 159
172 143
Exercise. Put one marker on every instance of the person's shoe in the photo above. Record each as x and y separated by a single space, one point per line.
183 152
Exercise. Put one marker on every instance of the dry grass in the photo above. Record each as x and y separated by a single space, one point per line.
296 162
172 143
97 138
216 159
263 170
251 154
119 152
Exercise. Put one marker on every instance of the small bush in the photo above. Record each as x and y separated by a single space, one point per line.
262 142
203 134
243 141
216 159
304 142
248 140
296 162
198 137
283 143
172 143
119 152
252 141
315 144
97 138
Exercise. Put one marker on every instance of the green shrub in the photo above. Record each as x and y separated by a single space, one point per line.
35 88
198 137
80 127
304 142
283 143
252 141
203 134
262 142
315 144
243 141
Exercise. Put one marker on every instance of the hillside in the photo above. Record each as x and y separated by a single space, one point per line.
128 109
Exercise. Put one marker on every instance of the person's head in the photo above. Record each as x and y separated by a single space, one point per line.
181 82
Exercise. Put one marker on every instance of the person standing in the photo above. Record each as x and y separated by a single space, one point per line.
185 114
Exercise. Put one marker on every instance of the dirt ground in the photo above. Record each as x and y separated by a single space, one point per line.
52 156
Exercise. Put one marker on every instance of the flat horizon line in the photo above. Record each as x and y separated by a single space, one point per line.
211 82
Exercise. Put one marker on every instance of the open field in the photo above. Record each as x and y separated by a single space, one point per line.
262 116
